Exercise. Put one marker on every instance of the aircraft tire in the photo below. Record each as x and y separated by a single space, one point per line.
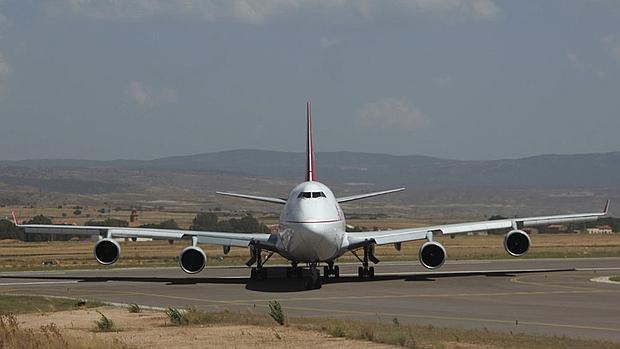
336 271
371 272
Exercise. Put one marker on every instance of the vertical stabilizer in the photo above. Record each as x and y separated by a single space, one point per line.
310 173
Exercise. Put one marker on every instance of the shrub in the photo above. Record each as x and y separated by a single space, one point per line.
134 308
176 316
104 324
276 313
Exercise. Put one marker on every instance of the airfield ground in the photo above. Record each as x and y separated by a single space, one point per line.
551 297
481 293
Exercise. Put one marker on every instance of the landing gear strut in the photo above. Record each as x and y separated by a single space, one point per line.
365 271
258 272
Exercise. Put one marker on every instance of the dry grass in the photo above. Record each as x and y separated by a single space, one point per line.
46 337
32 304
409 336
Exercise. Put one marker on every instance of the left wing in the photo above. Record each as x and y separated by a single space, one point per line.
254 197
402 235
206 237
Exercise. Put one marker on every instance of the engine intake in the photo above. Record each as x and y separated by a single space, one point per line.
107 251
432 255
192 259
517 242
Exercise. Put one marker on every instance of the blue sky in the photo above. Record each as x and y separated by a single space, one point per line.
465 79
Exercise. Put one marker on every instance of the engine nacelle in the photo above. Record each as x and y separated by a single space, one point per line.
107 251
192 259
517 242
432 255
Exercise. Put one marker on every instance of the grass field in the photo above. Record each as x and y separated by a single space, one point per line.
16 304
15 255
70 328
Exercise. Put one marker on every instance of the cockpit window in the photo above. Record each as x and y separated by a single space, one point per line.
308 195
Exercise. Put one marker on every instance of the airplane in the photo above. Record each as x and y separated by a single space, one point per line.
312 230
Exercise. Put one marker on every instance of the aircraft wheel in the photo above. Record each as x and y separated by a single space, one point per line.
360 272
253 273
326 272
371 272
336 271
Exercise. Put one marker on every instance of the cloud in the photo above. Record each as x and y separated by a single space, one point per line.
584 67
144 95
261 11
5 70
392 113
611 43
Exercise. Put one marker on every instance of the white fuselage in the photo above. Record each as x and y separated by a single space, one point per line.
312 225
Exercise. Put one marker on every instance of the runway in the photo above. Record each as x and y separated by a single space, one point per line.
548 296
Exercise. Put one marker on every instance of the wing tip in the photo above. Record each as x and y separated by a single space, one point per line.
606 209
15 220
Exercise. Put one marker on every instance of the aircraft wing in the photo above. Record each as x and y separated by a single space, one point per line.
367 195
206 237
254 197
403 235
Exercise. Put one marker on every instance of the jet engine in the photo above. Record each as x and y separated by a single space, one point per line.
432 255
192 259
517 242
107 251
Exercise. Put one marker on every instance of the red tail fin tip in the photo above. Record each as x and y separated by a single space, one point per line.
310 172
15 220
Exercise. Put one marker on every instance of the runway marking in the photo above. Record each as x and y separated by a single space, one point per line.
519 280
605 280
291 299
38 283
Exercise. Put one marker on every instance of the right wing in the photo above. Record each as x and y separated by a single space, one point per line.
206 237
367 195
403 235
254 197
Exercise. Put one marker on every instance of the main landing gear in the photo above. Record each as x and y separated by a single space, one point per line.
258 272
331 270
365 271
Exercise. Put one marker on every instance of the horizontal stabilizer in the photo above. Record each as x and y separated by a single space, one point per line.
368 195
254 197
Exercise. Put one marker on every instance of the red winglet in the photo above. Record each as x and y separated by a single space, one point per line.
15 220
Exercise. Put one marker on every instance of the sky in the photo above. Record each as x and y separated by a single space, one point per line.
461 79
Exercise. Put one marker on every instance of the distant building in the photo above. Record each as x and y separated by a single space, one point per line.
601 229
556 228
133 217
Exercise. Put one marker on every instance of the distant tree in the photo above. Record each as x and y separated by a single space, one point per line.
167 224
8 230
40 219
204 221
77 212
497 217
110 222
